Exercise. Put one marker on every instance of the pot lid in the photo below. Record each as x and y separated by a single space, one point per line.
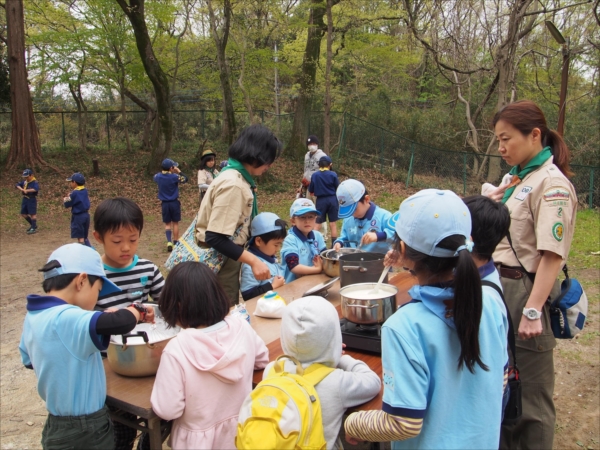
319 288
156 332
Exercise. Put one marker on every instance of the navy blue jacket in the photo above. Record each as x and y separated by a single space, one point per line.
323 183
33 184
168 185
79 201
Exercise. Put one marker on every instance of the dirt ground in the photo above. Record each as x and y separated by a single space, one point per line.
23 413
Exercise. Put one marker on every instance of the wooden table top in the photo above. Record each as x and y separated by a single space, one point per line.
133 394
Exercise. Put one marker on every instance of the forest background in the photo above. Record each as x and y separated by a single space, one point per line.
379 81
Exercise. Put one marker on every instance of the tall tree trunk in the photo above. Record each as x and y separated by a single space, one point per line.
81 115
243 88
135 13
147 137
312 51
327 130
124 119
229 127
25 148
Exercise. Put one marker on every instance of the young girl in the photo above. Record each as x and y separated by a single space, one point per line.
206 371
444 353
207 171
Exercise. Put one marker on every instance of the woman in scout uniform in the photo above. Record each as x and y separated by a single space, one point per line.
224 218
542 204
207 172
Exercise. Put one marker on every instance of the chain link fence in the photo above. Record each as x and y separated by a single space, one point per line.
354 142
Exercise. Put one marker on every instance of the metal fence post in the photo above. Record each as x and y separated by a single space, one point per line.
343 135
410 166
381 152
464 174
591 187
62 116
108 130
203 134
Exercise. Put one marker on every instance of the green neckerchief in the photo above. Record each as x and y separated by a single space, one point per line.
531 166
236 165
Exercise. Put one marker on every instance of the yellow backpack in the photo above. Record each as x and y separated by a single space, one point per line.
284 411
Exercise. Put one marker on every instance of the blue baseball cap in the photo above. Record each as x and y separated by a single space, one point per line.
168 163
325 159
264 223
77 178
430 216
27 172
348 193
391 223
78 258
303 206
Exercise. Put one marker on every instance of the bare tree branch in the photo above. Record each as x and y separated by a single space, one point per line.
557 9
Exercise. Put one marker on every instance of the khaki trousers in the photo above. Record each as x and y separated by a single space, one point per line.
229 277
535 361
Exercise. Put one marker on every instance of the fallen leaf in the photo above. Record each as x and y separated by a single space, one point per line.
30 424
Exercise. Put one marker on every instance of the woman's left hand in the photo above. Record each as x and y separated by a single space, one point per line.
529 328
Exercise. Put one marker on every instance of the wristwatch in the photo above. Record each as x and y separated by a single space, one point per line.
532 313
140 308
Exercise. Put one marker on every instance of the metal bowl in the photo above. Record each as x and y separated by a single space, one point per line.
331 260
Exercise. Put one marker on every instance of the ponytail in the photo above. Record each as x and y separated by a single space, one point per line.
560 151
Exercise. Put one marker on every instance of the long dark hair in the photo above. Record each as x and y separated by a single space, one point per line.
525 115
468 299
205 160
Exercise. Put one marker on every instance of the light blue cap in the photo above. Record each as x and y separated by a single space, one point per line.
302 206
348 193
264 223
430 216
78 258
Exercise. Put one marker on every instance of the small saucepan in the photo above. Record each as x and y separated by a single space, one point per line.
331 260
360 305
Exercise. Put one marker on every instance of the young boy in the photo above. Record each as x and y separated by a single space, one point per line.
302 246
168 193
268 232
310 332
29 187
364 222
79 202
61 341
118 224
323 185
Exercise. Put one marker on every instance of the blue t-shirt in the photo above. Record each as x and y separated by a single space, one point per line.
375 219
323 183
247 279
33 184
420 351
168 185
300 249
79 201
60 342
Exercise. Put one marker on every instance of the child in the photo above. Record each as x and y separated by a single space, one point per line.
207 171
61 341
302 246
323 185
79 202
168 193
443 353
310 332
206 371
364 221
29 187
311 163
268 232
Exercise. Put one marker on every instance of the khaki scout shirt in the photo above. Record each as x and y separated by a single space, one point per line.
226 205
542 211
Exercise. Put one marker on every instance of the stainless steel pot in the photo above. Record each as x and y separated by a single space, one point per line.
138 353
331 260
358 309
364 267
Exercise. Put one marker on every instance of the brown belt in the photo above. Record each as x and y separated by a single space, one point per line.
512 273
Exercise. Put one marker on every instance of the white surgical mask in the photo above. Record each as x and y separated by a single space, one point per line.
313 148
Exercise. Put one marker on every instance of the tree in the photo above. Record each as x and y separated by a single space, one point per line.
25 148
4 81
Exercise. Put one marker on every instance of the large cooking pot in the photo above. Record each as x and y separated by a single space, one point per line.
137 354
363 267
331 260
361 306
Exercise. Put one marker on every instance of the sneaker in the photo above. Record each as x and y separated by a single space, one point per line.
169 246
29 229
32 231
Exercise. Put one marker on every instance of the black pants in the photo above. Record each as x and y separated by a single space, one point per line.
92 431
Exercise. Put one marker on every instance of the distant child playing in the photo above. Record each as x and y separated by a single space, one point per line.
268 232
310 332
444 352
168 193
207 171
365 223
302 246
29 187
61 341
79 202
205 371
323 185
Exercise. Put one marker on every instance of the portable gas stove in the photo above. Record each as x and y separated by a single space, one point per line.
361 337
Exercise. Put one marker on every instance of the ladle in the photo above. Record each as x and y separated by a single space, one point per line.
375 290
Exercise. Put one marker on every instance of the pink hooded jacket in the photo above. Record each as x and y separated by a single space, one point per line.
203 378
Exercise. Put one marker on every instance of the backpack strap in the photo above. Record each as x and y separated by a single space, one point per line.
316 372
511 331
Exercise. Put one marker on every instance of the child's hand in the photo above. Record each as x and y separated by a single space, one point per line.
368 238
392 258
318 262
149 314
337 246
278 281
66 199
343 347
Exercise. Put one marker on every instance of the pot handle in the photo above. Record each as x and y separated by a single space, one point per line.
351 305
359 268
141 334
